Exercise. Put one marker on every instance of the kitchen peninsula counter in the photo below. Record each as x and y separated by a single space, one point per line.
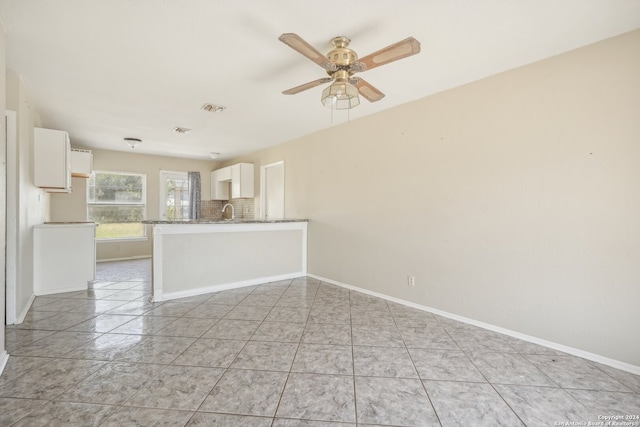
202 256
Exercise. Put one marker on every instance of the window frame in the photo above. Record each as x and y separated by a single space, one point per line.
143 205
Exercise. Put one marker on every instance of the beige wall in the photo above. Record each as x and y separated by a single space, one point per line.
3 196
70 206
67 207
32 203
513 200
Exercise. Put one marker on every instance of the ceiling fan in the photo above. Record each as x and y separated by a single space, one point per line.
341 63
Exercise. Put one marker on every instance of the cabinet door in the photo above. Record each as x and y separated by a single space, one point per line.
52 160
219 189
224 174
242 180
81 163
64 258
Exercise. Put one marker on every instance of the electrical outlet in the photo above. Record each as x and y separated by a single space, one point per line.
411 281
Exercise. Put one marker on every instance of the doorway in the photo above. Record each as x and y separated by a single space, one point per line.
174 195
272 190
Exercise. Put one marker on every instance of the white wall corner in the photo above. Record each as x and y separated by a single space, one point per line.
25 310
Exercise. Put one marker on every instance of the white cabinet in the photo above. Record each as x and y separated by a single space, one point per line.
219 185
224 174
81 163
232 182
242 181
52 160
64 257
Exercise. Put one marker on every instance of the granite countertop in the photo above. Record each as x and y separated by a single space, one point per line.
69 222
223 221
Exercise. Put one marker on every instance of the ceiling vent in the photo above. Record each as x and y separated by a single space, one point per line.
178 129
212 108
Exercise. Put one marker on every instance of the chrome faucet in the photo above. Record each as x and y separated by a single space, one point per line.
233 215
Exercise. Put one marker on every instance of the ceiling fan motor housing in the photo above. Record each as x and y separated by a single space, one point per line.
341 55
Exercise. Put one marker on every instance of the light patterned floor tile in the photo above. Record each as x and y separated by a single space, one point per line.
469 404
246 392
147 417
289 353
65 414
318 397
393 401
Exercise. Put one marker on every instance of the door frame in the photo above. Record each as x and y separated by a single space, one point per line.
263 187
11 255
164 174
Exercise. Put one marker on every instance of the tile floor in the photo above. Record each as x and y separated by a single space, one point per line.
292 353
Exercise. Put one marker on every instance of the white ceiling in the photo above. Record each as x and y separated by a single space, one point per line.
109 69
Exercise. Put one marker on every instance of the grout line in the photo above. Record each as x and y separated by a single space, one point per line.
284 387
353 362
424 387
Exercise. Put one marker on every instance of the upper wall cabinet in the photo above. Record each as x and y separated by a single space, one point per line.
52 160
239 177
81 163
224 174
220 184
242 181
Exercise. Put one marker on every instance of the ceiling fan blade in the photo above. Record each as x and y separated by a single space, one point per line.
298 44
369 92
402 49
306 86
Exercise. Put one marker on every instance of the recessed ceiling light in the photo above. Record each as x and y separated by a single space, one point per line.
212 108
214 155
179 129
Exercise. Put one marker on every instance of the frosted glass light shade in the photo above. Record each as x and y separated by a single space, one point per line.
340 96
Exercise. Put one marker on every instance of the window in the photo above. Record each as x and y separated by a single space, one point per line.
117 201
174 195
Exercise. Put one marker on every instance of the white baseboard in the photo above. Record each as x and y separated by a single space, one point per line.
226 286
131 258
25 310
535 340
62 290
4 358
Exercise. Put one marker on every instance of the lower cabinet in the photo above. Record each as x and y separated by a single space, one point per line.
64 257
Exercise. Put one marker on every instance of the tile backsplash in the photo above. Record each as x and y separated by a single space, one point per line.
211 210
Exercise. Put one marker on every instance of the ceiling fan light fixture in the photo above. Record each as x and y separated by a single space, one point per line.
340 95
341 64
